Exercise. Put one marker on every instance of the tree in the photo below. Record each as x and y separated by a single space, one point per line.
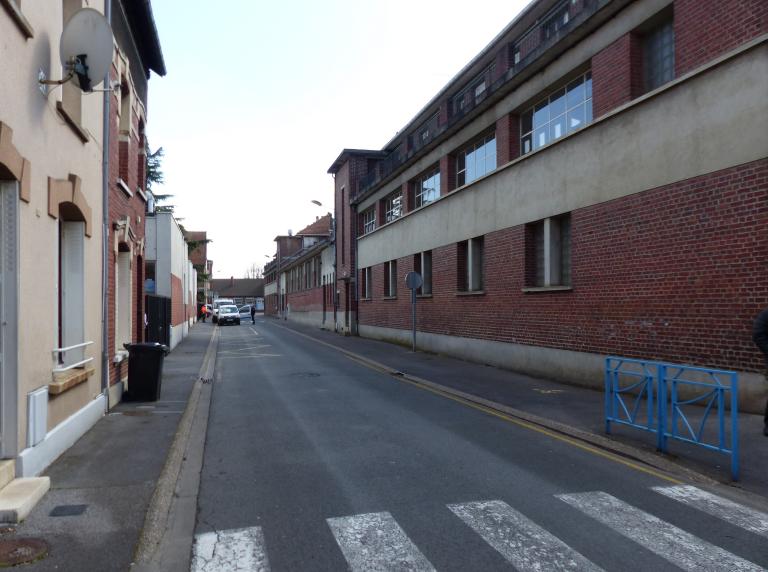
155 177
254 271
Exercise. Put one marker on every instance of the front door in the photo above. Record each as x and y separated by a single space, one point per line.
9 245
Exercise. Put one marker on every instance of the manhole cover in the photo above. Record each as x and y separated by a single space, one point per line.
140 413
68 510
22 551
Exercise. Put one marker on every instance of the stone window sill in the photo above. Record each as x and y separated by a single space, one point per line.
366 299
124 187
471 293
18 18
423 295
390 297
536 289
74 125
66 380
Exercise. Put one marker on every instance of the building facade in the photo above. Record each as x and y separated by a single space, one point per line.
51 189
595 182
171 281
136 53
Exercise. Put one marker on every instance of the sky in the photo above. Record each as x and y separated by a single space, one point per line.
261 97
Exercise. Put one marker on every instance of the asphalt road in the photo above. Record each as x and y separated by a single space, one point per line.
316 462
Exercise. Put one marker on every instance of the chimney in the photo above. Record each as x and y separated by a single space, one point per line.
231 281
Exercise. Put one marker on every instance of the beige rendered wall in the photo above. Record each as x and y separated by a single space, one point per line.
41 135
698 124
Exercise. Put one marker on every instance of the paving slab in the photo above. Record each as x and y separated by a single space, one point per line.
101 487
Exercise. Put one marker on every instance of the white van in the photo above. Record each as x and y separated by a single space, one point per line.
220 302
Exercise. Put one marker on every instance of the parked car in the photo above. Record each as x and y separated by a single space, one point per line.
217 304
245 312
228 314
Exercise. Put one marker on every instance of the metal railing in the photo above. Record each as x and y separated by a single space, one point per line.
58 358
646 395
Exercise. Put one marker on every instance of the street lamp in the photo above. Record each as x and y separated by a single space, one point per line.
314 202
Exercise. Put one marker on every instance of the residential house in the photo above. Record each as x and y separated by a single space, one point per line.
137 52
51 188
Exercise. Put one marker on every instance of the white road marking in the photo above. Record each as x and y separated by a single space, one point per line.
671 543
375 542
523 543
727 510
254 331
238 549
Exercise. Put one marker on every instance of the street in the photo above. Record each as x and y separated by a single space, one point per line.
314 461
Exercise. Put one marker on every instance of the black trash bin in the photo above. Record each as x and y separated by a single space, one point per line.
145 370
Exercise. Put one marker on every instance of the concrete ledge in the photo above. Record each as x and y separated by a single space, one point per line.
19 497
69 379
34 460
7 472
115 394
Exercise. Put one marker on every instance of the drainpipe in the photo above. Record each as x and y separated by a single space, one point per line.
105 230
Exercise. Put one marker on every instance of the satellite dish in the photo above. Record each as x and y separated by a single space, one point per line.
86 47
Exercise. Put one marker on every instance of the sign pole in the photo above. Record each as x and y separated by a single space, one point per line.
413 280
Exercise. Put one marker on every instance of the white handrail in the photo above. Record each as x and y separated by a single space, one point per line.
62 350
74 365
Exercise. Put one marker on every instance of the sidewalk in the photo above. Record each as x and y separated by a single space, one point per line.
110 474
567 408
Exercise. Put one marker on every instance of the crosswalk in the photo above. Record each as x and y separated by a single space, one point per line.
376 542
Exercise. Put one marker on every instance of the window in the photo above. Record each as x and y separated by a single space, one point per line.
549 252
369 220
476 160
393 206
123 312
427 188
366 289
659 56
422 263
390 279
565 110
72 289
469 265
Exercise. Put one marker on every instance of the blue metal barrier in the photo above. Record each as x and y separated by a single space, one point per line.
624 397
630 382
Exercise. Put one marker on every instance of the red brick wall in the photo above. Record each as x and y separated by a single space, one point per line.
177 301
126 162
507 139
310 300
705 29
675 273
617 74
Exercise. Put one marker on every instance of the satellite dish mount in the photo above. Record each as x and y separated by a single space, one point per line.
85 49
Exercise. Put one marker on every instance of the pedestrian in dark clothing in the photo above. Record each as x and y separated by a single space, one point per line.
253 313
760 337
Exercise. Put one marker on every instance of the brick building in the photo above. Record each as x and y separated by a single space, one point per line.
302 272
594 182
198 255
137 52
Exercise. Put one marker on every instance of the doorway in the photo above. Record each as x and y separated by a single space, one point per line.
9 255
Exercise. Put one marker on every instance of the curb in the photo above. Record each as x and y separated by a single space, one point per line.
161 505
523 418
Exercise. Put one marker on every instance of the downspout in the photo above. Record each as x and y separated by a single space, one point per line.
105 229
353 231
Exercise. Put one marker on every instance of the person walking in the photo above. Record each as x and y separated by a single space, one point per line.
253 313
760 337
203 313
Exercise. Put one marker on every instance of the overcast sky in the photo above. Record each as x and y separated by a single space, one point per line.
261 97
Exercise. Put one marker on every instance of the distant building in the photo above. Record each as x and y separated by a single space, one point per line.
198 242
171 281
240 290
